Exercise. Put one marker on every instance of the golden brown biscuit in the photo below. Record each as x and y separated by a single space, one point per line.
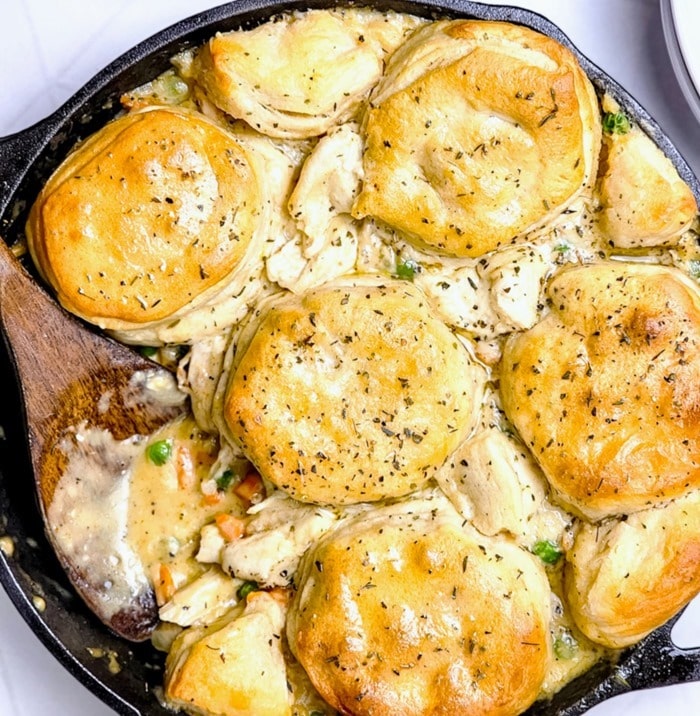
352 393
626 578
605 390
147 217
403 611
298 77
644 201
232 667
478 132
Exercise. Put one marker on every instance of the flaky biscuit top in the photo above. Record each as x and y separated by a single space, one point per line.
352 393
604 390
625 578
478 132
643 200
299 78
145 217
407 611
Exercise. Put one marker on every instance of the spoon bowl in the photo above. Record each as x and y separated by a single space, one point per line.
72 378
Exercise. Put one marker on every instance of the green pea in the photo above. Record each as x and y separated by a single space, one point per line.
547 551
160 451
565 646
224 480
407 269
616 123
246 588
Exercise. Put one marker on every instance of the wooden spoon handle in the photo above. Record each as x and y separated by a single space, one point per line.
68 374
52 353
28 318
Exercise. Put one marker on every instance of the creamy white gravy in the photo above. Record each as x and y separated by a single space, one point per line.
88 516
117 516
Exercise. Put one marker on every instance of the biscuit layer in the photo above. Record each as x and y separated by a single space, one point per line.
604 390
410 614
352 393
152 211
478 132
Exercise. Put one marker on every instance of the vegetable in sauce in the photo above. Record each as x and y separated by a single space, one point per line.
616 123
407 269
160 452
246 588
565 646
224 480
548 551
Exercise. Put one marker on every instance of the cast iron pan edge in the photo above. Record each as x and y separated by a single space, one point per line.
66 626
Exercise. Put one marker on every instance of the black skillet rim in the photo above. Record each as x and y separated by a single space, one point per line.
31 155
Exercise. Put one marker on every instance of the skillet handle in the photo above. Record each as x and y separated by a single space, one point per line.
657 661
17 152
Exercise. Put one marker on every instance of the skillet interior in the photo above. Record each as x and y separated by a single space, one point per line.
66 626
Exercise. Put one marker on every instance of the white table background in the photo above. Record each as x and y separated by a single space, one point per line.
51 47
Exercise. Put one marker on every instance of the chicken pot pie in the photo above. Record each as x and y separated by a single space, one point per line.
604 390
299 78
405 611
445 457
624 578
644 202
352 393
477 132
149 220
234 665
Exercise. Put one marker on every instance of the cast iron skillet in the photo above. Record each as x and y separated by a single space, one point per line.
66 626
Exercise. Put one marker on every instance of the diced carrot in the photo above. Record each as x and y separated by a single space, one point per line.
164 585
184 466
212 498
255 594
281 595
230 526
250 490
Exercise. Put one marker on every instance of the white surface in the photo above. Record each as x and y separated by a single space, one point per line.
680 19
686 19
51 48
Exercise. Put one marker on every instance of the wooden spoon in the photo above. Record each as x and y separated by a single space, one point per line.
71 376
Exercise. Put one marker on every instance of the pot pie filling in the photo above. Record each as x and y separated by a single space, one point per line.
434 303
